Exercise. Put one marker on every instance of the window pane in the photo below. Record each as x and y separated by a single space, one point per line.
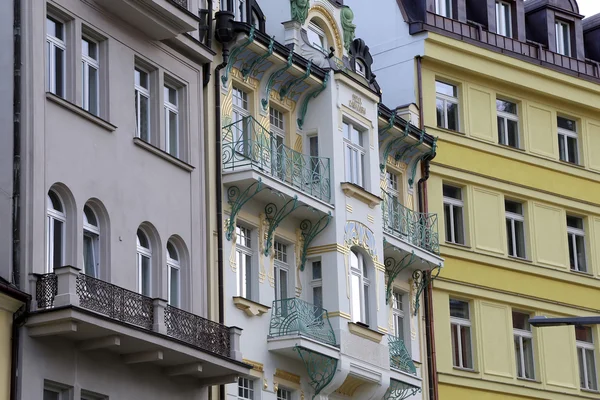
452 192
58 73
452 109
583 334
592 382
459 309
518 356
174 289
572 150
170 95
439 105
173 134
51 395
366 310
574 222
455 349
398 326
528 358
283 278
318 296
513 207
513 133
520 238
562 151
571 251
566 123
53 28
458 225
582 381
448 222
465 336
506 106
349 164
520 321
89 258
248 276
580 242
58 244
144 118
445 88
316 270
509 238
501 131
93 90
355 301
145 275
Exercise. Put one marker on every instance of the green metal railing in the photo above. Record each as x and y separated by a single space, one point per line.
298 317
399 356
414 227
246 143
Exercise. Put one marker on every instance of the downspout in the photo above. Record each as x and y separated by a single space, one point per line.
208 41
427 293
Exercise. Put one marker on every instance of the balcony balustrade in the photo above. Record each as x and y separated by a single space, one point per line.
400 358
247 144
418 229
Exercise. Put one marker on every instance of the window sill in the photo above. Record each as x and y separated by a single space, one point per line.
526 260
591 391
363 332
251 308
570 164
458 245
163 154
449 131
469 370
80 111
528 380
506 146
361 194
582 273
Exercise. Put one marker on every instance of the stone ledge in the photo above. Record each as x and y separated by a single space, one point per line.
251 308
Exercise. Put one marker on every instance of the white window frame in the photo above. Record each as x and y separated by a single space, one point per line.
53 215
572 233
516 217
398 313
93 232
503 27
561 27
281 266
364 283
239 10
246 384
520 335
443 8
244 249
141 91
174 109
316 282
87 63
313 28
506 116
581 352
52 42
453 203
355 173
452 100
284 394
456 323
392 183
241 110
173 264
563 134
360 68
141 253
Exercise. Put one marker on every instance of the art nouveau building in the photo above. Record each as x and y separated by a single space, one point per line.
512 89
324 249
110 234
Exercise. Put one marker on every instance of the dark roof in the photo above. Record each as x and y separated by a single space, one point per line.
386 113
591 23
567 5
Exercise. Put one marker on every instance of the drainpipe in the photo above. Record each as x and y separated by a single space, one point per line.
208 40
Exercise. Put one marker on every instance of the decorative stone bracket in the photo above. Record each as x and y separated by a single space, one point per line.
321 369
275 216
309 232
264 102
421 280
236 198
393 269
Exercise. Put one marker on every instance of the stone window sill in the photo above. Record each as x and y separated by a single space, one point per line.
80 111
163 154
366 333
251 308
352 190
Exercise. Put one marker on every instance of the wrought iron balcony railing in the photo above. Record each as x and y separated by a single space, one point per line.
180 3
298 317
133 308
400 358
246 143
417 228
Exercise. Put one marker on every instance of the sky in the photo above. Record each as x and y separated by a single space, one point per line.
589 7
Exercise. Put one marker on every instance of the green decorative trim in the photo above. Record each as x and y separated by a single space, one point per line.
234 55
400 390
275 215
298 317
237 199
400 156
347 16
422 280
309 232
265 101
285 89
392 143
299 9
321 369
308 98
430 153
393 269
400 358
248 69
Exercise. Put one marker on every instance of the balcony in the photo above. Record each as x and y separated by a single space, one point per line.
159 19
400 358
100 315
249 147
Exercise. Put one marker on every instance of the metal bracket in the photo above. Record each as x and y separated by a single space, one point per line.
400 156
310 96
237 199
411 180
321 369
391 144
234 54
393 269
400 390
275 215
422 280
285 89
309 232
265 101
248 69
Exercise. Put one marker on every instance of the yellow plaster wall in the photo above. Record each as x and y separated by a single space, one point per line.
488 216
450 392
593 134
559 357
550 235
5 340
497 359
541 124
481 111
594 248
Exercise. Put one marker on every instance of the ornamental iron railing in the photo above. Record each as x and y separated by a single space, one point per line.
46 288
400 358
114 301
419 229
400 390
197 331
295 316
180 3
246 143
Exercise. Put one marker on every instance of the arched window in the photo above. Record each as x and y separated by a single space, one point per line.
359 287
316 36
91 241
174 275
56 219
144 263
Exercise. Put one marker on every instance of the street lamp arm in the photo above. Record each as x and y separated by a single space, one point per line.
545 321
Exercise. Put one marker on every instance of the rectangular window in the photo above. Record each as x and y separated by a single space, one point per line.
90 65
515 228
398 314
460 325
56 49
281 270
313 151
503 19
508 123
244 262
278 164
142 104
443 8
317 287
355 154
284 394
523 338
241 129
172 120
447 105
568 148
316 36
576 240
586 357
245 389
563 38
453 214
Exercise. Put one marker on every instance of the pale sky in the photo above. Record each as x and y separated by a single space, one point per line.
589 7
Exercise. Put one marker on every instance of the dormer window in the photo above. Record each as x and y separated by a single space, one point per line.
503 19
443 8
563 38
359 67
316 36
